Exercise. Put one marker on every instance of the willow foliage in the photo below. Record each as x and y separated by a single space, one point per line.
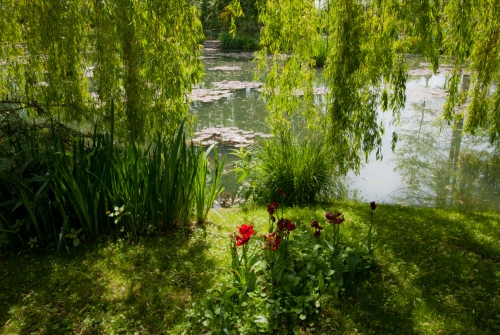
141 54
365 65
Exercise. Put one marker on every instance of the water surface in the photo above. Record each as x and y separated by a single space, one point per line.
432 164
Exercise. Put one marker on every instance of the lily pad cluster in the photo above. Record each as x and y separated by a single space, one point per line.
230 136
209 95
223 89
236 85
225 68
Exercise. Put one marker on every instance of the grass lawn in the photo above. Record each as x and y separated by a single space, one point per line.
438 272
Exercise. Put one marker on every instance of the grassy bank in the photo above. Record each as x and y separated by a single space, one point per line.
437 272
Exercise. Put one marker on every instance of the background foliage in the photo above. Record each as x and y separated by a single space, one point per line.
142 54
365 66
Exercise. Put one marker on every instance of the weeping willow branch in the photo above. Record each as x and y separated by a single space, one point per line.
365 67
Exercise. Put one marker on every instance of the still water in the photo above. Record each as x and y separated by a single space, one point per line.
432 165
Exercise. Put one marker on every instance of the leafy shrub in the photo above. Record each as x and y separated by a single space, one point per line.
238 42
281 279
304 168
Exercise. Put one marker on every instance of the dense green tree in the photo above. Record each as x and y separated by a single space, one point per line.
141 54
365 65
213 14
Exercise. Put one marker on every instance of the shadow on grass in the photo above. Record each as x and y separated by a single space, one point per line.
438 274
142 286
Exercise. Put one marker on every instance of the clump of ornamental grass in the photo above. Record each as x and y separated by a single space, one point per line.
303 167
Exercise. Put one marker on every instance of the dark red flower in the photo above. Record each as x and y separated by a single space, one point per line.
272 208
276 243
373 205
282 193
316 225
281 224
340 219
336 218
289 225
329 216
246 230
269 237
273 241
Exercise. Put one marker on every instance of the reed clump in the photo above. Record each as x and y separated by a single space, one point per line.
59 193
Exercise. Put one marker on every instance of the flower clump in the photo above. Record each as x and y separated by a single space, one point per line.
283 226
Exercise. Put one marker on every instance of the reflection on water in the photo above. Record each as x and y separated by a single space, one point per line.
431 165
445 169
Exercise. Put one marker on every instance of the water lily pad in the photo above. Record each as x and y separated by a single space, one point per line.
225 68
425 94
236 85
211 54
316 91
208 95
230 136
428 72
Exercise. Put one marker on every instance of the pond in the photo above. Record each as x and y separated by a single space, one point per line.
432 164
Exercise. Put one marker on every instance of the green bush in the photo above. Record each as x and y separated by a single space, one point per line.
238 42
303 168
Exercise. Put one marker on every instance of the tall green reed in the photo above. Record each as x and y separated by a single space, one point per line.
207 187
48 189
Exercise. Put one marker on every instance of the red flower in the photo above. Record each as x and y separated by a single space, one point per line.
289 225
272 208
246 230
281 224
317 233
241 240
315 224
373 205
336 218
282 193
269 237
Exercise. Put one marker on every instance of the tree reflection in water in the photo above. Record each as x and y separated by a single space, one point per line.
462 173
